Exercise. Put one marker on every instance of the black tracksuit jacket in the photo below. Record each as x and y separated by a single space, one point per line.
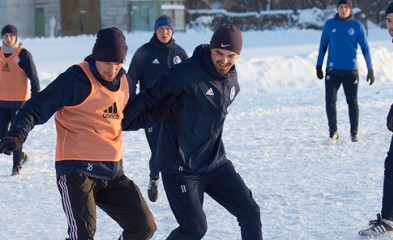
190 140
152 59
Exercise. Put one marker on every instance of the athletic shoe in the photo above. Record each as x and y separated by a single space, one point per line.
378 227
152 191
354 136
333 136
24 159
16 170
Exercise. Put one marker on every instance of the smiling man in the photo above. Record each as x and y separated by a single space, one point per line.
190 150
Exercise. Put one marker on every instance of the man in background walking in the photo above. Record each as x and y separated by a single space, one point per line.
16 66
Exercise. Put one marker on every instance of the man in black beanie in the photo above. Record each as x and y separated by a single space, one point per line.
150 61
191 153
88 100
384 221
17 66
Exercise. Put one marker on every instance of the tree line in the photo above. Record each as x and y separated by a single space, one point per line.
372 9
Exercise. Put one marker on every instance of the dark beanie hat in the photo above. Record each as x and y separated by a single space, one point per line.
164 20
348 2
228 37
9 29
389 9
110 46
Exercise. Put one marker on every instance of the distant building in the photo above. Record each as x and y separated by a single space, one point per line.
44 18
145 12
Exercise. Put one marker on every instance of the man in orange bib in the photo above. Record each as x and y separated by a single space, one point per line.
88 101
16 66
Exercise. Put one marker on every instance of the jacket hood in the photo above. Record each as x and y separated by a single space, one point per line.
155 42
113 85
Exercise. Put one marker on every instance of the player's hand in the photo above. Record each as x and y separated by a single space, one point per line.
10 143
319 72
389 119
370 76
165 109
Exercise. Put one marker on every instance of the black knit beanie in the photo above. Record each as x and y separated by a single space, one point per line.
389 9
9 29
228 37
348 2
110 46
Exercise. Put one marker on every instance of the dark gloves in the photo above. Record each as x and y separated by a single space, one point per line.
165 109
389 119
10 143
370 76
319 72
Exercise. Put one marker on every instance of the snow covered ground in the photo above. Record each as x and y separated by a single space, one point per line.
276 135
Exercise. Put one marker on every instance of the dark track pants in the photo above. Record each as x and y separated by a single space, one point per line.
350 84
387 199
119 198
6 117
152 138
185 194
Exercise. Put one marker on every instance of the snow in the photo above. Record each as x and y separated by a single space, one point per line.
276 135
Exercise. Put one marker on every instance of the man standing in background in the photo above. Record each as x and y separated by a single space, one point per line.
150 61
16 66
341 35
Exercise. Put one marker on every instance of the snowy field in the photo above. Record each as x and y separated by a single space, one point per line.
276 135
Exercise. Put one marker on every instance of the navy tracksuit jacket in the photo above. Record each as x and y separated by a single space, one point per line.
191 152
150 61
191 140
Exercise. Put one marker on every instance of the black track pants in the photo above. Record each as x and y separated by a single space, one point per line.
350 84
120 198
185 195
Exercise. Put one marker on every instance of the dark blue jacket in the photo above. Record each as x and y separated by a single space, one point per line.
27 64
71 88
152 59
190 140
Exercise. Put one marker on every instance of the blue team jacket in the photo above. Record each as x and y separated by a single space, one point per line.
341 37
